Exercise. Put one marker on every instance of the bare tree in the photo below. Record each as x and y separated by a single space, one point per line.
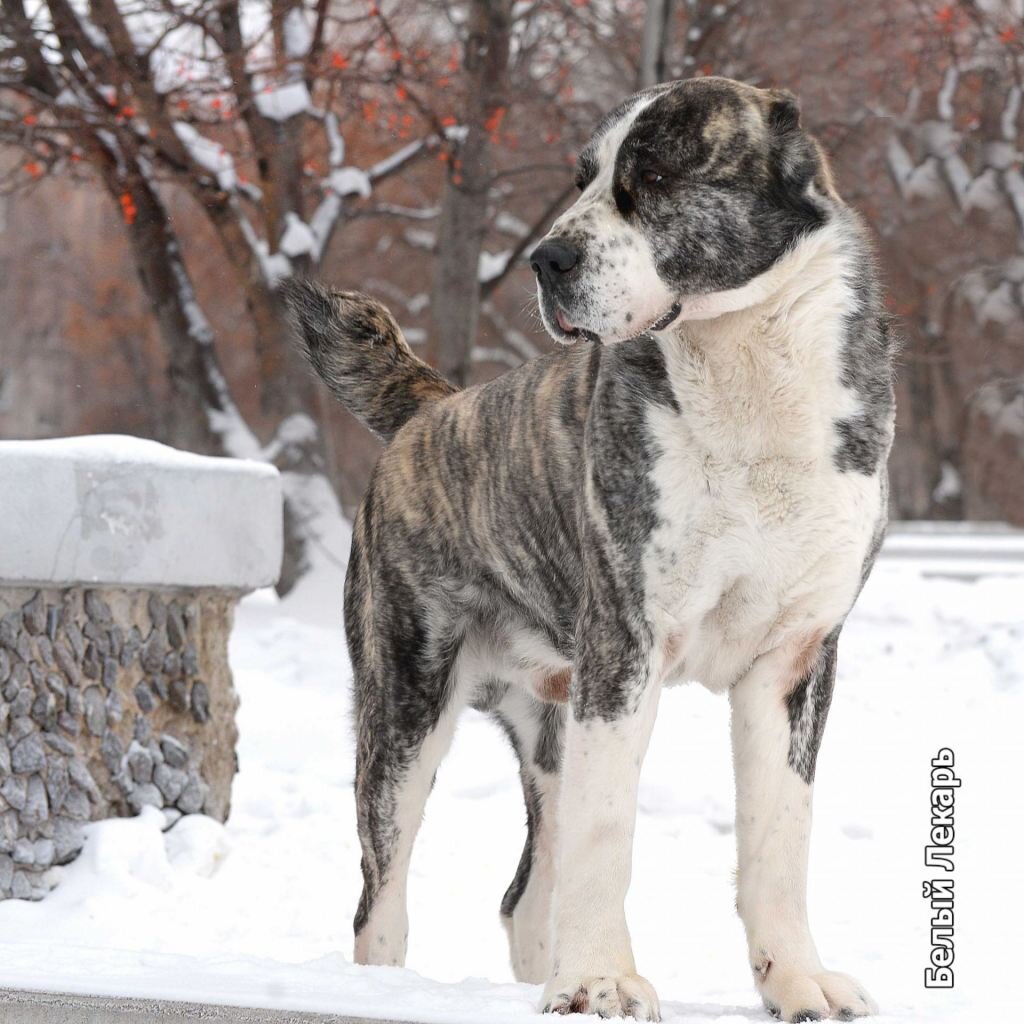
455 298
160 96
654 51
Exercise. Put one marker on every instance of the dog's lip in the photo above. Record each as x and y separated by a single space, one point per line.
666 318
564 327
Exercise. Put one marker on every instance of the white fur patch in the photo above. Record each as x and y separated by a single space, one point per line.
761 538
601 773
773 826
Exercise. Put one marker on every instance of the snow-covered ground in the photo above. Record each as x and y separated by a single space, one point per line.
258 912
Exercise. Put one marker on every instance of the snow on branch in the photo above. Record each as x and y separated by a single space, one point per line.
283 102
209 155
298 34
335 140
397 160
492 265
348 181
398 210
298 239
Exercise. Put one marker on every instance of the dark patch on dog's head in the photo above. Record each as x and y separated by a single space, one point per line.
734 174
706 183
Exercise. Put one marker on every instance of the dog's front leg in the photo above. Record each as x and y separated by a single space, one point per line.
778 714
614 700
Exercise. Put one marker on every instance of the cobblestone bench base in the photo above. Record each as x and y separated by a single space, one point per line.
111 699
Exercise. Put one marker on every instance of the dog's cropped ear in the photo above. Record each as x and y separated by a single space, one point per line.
783 110
796 159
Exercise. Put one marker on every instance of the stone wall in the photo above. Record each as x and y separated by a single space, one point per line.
120 564
110 699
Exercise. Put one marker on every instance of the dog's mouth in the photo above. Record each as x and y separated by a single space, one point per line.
666 319
566 326
565 330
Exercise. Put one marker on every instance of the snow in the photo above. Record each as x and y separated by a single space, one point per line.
944 100
418 303
1014 183
258 912
1008 121
109 509
335 140
297 239
395 160
124 450
298 34
96 36
419 238
281 102
509 224
277 267
347 181
949 485
901 165
208 154
492 265
325 216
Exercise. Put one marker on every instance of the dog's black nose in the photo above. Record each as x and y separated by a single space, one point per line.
552 258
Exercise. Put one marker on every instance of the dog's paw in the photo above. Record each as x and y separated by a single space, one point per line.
627 995
826 995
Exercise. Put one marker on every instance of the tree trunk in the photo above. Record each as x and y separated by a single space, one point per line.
204 417
654 49
156 256
285 385
994 447
455 297
929 446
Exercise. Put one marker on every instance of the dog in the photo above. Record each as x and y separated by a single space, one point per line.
695 491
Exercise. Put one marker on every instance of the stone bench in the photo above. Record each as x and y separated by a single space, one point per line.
121 561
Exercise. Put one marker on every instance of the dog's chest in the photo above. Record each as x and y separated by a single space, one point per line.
758 537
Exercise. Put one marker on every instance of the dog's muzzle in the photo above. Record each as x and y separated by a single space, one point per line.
554 262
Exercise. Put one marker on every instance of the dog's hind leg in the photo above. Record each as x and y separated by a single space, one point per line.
408 698
535 730
394 779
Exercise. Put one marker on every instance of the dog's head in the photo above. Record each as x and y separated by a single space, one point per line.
690 192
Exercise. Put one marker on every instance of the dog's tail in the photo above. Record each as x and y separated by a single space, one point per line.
359 352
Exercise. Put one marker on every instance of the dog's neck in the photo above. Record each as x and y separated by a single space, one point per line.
762 372
816 261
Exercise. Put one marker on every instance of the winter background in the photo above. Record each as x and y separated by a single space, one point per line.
165 163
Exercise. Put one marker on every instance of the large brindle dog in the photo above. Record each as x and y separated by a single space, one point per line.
697 492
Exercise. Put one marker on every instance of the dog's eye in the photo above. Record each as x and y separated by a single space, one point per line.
649 177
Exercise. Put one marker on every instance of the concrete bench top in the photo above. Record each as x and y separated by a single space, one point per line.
124 511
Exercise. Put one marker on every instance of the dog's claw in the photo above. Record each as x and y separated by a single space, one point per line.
825 995
608 997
